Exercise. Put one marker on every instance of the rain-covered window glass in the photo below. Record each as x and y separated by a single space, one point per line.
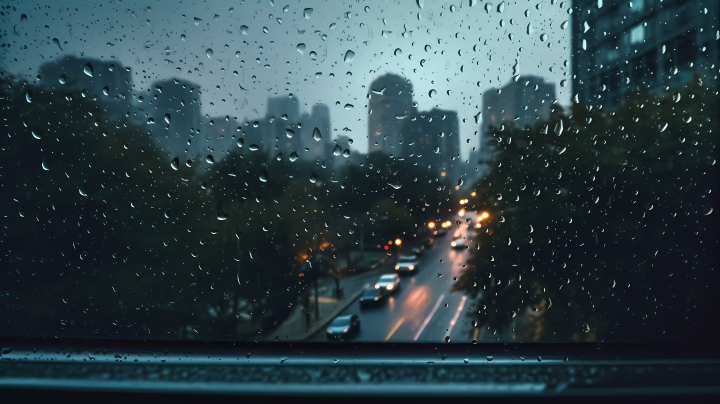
538 170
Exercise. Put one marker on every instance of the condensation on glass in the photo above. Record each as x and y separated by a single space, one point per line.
401 171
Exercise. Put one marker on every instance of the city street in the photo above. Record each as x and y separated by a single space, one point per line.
424 309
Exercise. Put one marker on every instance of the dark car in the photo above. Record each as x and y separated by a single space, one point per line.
343 327
373 297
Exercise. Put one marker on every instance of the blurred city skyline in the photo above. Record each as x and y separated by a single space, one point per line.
468 46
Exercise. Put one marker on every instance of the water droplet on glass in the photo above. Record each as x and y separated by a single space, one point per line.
289 133
349 106
293 157
88 69
337 150
346 153
559 128
676 96
398 52
543 37
316 134
210 159
349 56
313 178
395 184
28 96
36 133
447 339
209 53
244 29
307 13
436 149
63 79
431 93
175 164
240 142
263 175
188 163
45 165
301 48
82 190
254 147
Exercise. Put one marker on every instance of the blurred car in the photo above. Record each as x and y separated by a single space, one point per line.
458 243
389 282
407 264
373 297
418 251
343 327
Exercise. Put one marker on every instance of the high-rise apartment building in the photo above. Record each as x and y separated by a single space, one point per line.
620 48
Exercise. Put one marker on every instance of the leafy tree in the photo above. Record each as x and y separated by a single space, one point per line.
603 231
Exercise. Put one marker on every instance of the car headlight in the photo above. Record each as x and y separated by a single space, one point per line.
378 298
452 244
377 286
345 330
389 287
397 266
411 267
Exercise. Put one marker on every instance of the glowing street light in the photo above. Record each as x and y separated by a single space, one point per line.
431 225
485 215
398 241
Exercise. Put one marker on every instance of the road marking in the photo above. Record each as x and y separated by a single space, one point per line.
397 325
457 314
427 320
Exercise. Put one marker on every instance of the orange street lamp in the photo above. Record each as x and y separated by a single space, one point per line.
398 241
485 215
473 194
431 225
390 242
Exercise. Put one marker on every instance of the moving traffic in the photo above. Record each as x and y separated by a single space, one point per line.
415 302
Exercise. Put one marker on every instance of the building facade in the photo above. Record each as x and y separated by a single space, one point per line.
391 101
651 46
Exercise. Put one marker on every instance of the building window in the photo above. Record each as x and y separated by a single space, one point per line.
637 34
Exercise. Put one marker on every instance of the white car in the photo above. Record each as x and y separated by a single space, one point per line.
407 264
390 282
458 243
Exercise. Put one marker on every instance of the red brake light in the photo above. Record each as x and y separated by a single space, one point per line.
387 248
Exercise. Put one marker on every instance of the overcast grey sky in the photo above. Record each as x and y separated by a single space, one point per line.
447 46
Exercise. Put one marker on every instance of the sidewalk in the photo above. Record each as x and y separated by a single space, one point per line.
295 327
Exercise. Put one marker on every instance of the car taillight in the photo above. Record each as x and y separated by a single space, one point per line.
411 267
397 266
